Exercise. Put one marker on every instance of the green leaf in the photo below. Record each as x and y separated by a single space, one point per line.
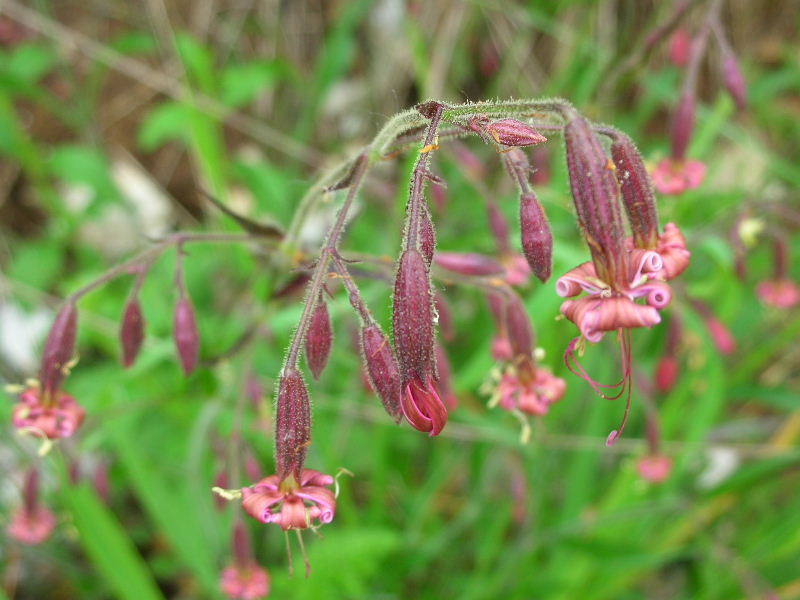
167 121
109 549
198 62
241 84
30 62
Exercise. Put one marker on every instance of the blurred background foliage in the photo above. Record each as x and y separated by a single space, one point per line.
113 115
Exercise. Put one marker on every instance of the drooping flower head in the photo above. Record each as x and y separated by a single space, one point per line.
57 417
291 503
244 579
33 523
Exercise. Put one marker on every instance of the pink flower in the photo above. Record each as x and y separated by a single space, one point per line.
501 348
532 395
674 176
672 250
244 583
654 468
32 526
290 504
517 270
780 293
422 407
55 417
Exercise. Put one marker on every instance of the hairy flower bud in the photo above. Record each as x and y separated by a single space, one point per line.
733 80
427 235
292 425
319 338
412 317
637 191
382 369
683 124
537 239
511 132
58 350
131 332
594 191
467 263
518 326
185 333
498 226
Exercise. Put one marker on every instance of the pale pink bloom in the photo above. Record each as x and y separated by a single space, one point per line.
57 418
291 504
249 582
32 525
673 176
530 395
780 293
422 407
654 468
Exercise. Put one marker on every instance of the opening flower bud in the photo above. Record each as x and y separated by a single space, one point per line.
319 338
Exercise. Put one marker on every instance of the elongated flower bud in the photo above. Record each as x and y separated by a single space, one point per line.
382 369
510 132
733 80
498 226
537 239
412 317
467 263
58 349
319 338
637 192
292 425
683 125
131 333
518 326
427 234
187 338
594 191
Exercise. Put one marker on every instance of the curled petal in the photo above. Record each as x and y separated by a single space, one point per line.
595 316
258 504
645 262
294 514
657 293
675 256
315 478
321 499
581 278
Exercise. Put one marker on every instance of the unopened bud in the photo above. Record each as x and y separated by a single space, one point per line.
187 338
510 132
518 327
734 82
498 226
240 544
382 369
58 349
680 44
100 482
666 373
427 235
412 316
131 332
467 263
319 338
637 191
683 125
292 425
537 239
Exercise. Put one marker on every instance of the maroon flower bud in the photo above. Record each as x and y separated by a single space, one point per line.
381 367
594 191
537 239
510 132
439 197
518 327
319 338
666 373
680 44
58 350
100 482
637 191
467 263
427 234
131 332
292 425
498 226
187 338
683 125
422 407
734 81
412 317
540 158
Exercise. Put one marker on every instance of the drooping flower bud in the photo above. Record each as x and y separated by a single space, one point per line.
412 317
467 263
382 369
32 523
244 579
666 373
594 191
518 326
131 333
511 132
683 124
292 425
186 335
537 239
498 226
540 159
637 191
427 234
319 338
680 44
58 350
733 80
